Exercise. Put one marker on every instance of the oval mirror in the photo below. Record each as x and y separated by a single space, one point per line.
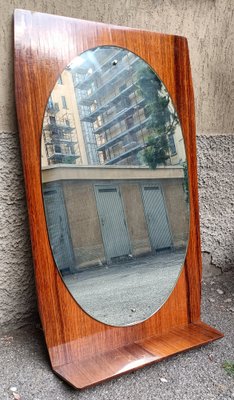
115 189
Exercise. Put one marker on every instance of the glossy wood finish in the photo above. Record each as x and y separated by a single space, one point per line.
119 361
82 350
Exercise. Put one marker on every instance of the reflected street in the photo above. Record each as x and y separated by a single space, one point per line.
133 282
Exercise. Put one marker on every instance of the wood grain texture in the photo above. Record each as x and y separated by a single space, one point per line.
44 45
116 362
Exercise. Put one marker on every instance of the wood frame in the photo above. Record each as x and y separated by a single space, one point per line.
82 350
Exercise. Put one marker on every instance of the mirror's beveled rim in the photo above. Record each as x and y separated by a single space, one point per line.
185 149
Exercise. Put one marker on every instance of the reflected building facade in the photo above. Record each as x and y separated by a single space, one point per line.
96 114
62 139
112 109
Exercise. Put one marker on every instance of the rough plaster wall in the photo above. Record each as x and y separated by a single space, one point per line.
17 291
216 195
208 26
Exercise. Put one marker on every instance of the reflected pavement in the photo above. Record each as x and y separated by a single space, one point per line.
133 282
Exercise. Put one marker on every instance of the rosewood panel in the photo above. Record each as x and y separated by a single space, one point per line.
82 350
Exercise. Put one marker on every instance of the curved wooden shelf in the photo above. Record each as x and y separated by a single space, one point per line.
116 362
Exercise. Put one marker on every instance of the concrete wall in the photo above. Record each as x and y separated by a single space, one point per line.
84 225
135 216
208 27
178 211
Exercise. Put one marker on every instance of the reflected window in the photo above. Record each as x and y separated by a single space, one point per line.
60 82
64 102
50 102
52 120
57 149
172 145
129 122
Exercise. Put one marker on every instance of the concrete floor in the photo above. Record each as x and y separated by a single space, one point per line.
126 292
194 375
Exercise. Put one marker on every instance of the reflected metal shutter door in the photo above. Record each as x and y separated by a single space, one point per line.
58 229
112 221
156 217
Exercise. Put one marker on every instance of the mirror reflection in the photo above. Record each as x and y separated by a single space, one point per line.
114 181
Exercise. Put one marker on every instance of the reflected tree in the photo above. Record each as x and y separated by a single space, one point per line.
161 118
185 183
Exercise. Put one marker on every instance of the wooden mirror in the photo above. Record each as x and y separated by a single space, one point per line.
107 131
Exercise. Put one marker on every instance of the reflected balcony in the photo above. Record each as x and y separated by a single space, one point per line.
120 136
57 140
119 116
62 156
123 73
52 108
114 100
125 154
58 127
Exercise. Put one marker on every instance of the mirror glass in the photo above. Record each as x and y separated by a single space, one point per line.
114 182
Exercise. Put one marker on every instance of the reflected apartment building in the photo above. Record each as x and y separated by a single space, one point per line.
102 202
112 110
62 139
